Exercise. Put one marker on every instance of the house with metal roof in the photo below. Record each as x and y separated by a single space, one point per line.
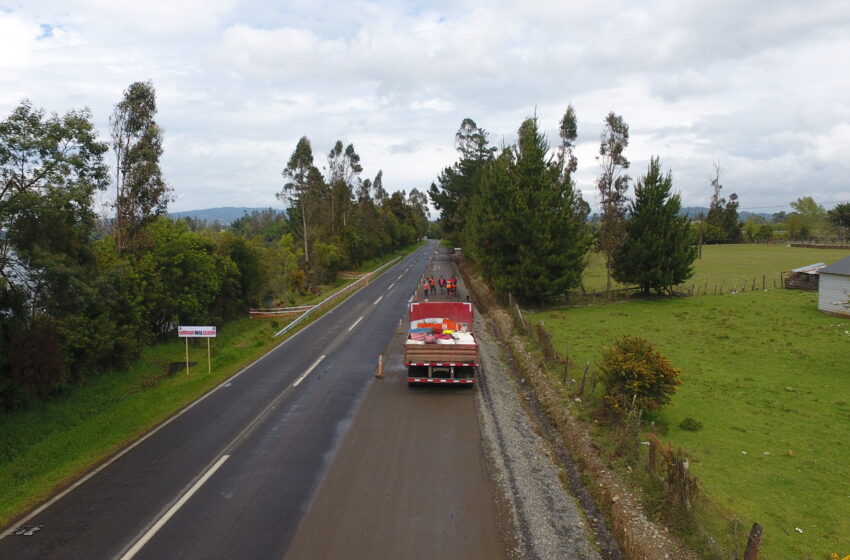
834 288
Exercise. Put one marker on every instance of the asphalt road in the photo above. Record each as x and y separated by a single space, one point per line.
233 475
410 479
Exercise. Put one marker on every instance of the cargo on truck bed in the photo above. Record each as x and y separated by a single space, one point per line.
441 345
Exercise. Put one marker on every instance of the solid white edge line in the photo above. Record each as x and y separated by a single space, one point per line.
178 414
139 441
306 373
170 513
355 323
377 300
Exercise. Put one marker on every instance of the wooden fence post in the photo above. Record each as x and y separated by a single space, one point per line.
753 543
583 379
653 467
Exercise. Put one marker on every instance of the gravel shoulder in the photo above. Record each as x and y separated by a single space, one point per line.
549 522
450 472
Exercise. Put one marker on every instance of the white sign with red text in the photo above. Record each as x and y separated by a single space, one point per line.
196 332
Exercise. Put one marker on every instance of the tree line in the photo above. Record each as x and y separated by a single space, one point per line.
806 220
521 218
80 294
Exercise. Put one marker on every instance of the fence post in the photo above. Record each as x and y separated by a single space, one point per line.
583 379
653 451
753 543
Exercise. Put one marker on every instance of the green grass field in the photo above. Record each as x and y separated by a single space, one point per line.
765 373
731 265
47 446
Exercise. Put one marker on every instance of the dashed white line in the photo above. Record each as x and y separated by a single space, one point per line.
399 276
391 286
377 300
355 324
170 513
306 373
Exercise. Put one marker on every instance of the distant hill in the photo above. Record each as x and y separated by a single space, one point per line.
694 212
224 215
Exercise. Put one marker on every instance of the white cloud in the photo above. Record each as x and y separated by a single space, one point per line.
763 91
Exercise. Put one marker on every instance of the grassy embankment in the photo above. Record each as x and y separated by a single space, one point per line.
50 444
765 373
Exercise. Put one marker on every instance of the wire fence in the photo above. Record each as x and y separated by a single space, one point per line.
712 531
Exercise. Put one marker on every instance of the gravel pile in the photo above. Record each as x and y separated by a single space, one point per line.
549 522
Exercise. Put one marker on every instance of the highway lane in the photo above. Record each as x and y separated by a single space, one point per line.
252 450
410 479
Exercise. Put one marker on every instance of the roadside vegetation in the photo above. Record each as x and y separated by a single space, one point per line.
46 446
82 294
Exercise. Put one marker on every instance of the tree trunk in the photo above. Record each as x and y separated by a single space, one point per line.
304 221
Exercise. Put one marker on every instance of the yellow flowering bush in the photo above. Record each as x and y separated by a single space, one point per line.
636 374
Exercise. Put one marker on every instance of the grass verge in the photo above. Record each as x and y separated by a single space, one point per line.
46 447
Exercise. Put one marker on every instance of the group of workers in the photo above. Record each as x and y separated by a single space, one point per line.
446 286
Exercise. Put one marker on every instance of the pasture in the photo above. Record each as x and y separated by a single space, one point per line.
767 376
730 265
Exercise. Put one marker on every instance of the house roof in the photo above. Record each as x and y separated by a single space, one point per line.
841 267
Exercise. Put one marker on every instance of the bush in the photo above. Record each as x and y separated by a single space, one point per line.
636 376
690 425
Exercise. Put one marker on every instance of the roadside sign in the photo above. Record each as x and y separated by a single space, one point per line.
197 332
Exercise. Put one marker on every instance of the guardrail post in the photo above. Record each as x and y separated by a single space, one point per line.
380 373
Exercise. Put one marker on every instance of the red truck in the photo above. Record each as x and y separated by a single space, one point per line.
440 345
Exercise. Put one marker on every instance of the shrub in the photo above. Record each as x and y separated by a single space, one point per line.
690 424
636 376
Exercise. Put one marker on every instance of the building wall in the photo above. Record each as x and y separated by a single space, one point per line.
834 290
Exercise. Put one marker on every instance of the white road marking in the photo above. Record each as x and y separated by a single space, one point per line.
355 324
377 300
391 286
306 373
226 383
170 513
399 276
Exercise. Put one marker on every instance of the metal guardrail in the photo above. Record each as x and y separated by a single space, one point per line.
353 287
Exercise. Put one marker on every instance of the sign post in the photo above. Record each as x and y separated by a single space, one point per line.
197 332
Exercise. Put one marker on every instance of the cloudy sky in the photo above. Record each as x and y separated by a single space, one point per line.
761 87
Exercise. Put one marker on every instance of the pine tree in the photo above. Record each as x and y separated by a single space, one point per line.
658 250
528 222
457 185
